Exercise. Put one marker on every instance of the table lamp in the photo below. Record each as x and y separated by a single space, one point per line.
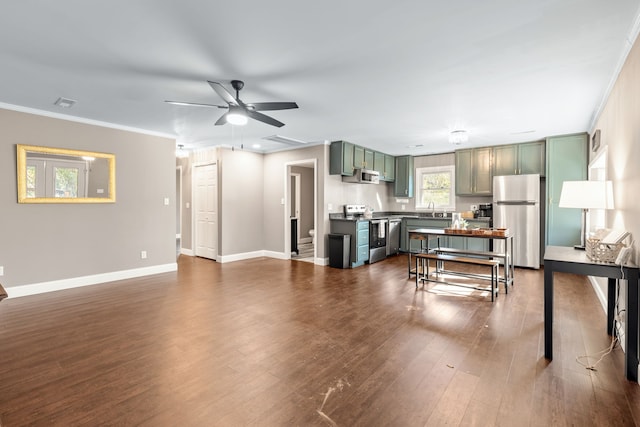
586 195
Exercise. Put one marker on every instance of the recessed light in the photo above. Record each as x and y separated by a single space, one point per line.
64 102
415 146
256 145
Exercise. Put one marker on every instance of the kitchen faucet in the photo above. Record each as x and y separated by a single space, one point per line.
433 207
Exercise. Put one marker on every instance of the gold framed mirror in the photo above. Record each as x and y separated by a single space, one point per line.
60 175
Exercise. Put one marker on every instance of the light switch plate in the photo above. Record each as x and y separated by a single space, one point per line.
1 270
166 201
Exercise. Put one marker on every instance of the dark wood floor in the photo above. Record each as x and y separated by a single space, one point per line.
281 343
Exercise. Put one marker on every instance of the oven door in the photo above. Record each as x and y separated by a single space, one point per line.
377 233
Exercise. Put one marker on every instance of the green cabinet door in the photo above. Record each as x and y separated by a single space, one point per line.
567 158
389 168
403 185
378 164
482 173
505 160
358 157
464 172
474 176
341 158
531 158
519 159
362 158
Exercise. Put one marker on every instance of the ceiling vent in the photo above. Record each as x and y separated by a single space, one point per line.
284 140
64 102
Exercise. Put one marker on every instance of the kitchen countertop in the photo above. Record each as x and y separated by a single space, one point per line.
397 215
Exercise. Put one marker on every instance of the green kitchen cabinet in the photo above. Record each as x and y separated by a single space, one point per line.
359 242
341 158
404 171
389 168
474 175
519 159
567 159
385 166
362 158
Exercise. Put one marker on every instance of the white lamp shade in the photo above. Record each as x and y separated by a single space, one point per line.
587 195
236 116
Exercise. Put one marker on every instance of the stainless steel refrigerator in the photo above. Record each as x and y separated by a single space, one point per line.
516 206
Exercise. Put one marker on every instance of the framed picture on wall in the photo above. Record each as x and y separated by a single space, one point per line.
595 140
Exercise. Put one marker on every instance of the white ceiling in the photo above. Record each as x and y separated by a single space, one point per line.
385 75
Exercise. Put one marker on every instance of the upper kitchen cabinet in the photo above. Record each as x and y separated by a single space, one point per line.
362 158
474 175
403 185
567 158
519 159
341 158
385 166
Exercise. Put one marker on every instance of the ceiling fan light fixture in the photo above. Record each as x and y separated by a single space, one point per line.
181 153
236 116
458 137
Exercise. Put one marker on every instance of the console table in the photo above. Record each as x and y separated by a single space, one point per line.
569 260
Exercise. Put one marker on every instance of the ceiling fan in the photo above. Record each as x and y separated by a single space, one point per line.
239 111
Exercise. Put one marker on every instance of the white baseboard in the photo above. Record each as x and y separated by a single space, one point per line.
268 254
185 251
305 240
601 296
95 279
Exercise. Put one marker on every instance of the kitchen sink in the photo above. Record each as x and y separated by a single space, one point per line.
435 214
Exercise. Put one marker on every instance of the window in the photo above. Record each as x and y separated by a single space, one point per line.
436 185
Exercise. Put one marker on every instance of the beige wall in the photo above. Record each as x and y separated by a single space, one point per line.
43 243
619 124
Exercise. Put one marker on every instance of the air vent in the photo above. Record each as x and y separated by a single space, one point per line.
64 102
284 140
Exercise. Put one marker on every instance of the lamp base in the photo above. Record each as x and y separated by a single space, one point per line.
579 248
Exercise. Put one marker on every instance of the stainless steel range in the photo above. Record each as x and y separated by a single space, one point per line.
377 231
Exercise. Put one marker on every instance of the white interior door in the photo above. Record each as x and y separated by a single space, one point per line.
206 206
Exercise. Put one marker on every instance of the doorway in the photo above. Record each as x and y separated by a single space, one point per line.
206 211
300 212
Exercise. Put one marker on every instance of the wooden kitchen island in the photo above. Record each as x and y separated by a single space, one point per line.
440 235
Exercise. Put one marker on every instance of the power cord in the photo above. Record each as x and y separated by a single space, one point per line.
615 333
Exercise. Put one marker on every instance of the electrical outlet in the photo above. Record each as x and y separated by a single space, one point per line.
143 254
474 207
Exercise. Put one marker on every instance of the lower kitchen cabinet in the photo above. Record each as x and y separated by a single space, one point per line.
455 242
409 224
359 232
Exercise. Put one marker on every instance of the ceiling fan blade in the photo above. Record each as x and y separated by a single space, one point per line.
264 118
195 104
223 93
270 106
222 120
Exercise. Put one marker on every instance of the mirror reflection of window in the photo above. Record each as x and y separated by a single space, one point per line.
65 182
56 178
31 181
